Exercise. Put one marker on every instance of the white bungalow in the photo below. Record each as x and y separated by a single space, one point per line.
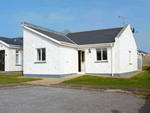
11 54
47 53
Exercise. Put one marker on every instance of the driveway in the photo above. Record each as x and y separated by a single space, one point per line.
41 99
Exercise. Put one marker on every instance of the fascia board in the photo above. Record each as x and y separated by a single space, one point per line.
68 44
58 42
122 30
96 45
7 45
15 47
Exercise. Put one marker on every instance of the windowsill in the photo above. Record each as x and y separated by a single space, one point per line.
103 61
18 65
39 62
130 63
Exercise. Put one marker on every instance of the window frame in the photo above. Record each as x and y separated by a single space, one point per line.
37 57
101 49
17 54
130 58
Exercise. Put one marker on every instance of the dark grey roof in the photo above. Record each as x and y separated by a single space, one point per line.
13 41
142 52
56 36
94 37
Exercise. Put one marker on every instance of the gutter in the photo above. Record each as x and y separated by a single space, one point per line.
95 45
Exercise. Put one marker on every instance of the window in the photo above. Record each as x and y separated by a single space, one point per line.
130 57
41 54
17 57
102 54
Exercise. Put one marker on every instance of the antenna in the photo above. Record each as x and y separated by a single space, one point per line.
123 17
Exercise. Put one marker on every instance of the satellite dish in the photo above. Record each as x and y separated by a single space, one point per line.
133 30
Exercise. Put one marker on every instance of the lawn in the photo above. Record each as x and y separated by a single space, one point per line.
9 79
141 80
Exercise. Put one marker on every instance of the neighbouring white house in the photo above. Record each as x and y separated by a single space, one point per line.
47 53
142 53
11 54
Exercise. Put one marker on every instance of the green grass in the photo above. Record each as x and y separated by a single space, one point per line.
141 80
147 68
9 79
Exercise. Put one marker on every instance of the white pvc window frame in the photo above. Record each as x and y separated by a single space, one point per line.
102 59
39 57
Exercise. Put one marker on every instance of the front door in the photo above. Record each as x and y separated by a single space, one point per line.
2 60
81 60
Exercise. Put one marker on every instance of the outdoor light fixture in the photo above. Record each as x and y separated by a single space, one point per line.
89 50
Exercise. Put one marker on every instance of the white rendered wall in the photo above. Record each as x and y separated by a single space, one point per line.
68 60
12 60
33 41
116 57
92 67
126 44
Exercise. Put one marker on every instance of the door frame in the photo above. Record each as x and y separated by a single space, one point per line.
80 61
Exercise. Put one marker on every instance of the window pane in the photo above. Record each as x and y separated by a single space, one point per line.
98 55
43 55
38 54
105 54
16 59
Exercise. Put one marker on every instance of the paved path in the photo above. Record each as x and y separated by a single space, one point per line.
49 81
59 100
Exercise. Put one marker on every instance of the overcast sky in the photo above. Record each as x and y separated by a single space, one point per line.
76 15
